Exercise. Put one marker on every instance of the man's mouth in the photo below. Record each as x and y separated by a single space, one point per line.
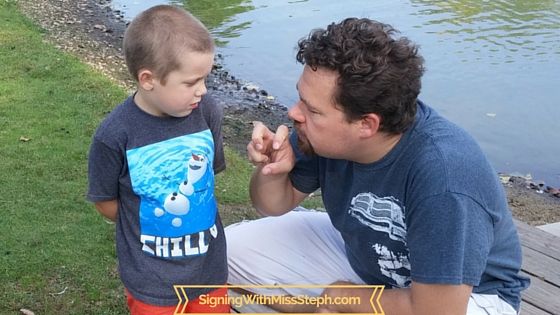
303 143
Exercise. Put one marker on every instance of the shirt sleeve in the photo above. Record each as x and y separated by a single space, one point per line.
305 174
214 115
449 237
104 168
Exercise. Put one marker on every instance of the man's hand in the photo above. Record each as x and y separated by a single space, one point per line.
420 299
272 151
271 189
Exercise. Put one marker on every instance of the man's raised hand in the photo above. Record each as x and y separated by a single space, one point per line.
269 150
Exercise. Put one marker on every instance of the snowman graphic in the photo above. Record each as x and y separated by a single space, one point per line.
177 202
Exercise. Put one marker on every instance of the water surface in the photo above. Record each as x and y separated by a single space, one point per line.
493 67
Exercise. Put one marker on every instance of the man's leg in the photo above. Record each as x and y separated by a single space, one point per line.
298 248
488 304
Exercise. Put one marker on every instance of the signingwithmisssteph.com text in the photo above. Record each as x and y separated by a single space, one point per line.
239 301
242 300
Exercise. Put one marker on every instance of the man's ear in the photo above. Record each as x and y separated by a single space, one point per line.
146 79
369 125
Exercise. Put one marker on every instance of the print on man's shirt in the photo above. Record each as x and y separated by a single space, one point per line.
385 215
175 182
380 214
394 266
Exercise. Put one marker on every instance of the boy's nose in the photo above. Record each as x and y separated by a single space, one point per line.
201 90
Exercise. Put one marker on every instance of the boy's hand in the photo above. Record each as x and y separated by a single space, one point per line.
271 150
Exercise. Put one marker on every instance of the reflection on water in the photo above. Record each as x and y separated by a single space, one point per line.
526 28
215 13
492 66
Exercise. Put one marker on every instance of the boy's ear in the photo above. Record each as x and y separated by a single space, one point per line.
146 79
369 125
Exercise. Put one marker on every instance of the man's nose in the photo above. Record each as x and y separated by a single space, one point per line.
295 113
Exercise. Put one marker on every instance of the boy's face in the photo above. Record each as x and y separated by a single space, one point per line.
183 88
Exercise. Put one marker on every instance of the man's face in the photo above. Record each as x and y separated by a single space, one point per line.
321 126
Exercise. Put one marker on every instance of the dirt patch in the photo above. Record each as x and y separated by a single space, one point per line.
92 31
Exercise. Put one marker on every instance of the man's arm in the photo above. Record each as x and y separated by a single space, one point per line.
273 195
271 190
420 299
108 209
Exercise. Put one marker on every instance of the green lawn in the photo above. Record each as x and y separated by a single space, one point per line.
57 254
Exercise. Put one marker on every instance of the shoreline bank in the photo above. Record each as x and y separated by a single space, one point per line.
92 31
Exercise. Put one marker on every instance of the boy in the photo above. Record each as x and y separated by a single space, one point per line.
152 164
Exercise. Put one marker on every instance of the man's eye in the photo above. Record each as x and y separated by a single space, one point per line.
312 111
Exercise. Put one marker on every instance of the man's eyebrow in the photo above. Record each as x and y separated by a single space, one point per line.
304 101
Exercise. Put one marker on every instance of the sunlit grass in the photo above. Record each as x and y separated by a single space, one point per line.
58 254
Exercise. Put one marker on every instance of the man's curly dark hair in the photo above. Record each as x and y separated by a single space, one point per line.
378 72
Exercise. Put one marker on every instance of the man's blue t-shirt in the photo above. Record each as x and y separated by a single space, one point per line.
431 211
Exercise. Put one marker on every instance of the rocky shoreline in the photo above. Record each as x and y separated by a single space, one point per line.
92 31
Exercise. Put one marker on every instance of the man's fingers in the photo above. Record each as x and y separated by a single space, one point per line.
280 136
280 167
260 132
256 122
254 154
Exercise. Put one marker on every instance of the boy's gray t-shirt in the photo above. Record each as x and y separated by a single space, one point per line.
161 170
432 211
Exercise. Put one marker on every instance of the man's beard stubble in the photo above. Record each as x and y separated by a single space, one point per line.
303 143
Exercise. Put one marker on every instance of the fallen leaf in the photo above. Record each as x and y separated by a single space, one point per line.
61 292
26 312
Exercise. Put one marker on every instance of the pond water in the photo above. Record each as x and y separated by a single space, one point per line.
493 67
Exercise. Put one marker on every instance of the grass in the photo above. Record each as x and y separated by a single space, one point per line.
58 254
53 241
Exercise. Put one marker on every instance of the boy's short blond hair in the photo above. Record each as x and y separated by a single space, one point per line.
157 36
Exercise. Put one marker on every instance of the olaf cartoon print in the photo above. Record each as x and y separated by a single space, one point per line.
174 180
177 203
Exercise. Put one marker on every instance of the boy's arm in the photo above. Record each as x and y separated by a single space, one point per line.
214 114
108 209
105 163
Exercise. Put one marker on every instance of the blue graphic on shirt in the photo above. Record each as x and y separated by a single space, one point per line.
175 182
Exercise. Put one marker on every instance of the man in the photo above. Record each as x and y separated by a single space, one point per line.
411 201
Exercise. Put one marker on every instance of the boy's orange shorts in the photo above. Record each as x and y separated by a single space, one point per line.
137 307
